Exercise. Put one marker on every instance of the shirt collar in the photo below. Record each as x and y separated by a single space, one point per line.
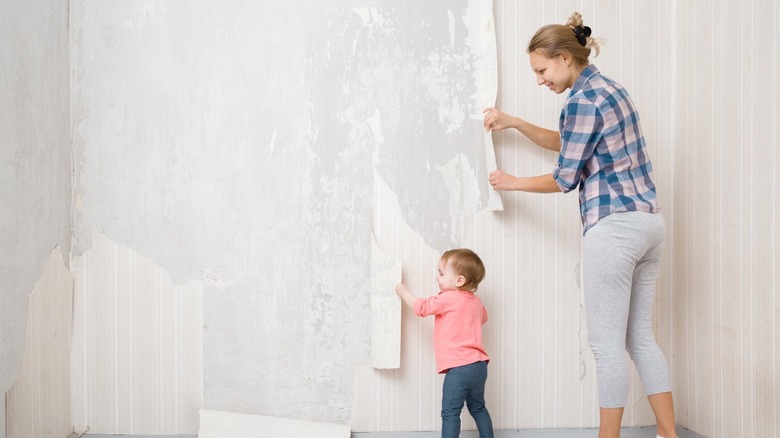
589 71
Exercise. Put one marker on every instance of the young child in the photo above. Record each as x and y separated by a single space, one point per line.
457 339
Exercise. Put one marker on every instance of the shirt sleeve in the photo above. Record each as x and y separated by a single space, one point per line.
581 131
428 306
484 315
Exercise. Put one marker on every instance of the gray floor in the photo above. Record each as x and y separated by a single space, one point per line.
634 432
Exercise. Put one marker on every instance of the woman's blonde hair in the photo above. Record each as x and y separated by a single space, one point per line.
572 38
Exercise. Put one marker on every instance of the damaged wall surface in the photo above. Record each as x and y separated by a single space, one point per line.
237 143
35 163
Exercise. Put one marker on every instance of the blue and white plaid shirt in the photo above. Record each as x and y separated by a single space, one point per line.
603 150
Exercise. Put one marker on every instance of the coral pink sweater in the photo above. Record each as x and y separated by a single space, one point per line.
457 329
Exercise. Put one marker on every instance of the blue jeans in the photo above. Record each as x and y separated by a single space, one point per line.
465 384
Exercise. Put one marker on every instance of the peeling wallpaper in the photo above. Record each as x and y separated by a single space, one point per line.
425 67
237 142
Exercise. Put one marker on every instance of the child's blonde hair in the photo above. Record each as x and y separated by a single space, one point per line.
466 263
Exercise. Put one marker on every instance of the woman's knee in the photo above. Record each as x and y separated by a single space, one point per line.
640 343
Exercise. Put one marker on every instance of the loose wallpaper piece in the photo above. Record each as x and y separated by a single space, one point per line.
385 309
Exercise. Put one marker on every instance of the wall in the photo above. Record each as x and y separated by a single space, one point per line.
237 144
725 223
39 403
35 168
183 117
137 345
542 371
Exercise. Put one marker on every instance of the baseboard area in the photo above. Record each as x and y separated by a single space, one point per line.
89 435
628 432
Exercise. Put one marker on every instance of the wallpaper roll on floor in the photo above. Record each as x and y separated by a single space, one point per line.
218 424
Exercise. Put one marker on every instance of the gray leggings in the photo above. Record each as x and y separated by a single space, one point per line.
621 261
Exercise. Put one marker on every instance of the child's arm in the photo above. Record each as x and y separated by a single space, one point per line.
405 295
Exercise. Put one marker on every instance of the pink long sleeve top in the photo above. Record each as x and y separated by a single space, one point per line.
457 328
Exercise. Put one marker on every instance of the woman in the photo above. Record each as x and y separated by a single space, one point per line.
602 152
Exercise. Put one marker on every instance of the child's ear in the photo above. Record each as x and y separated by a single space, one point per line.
461 281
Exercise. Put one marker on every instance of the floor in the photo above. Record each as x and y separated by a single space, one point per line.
634 432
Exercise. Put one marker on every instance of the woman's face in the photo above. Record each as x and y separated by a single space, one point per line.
555 73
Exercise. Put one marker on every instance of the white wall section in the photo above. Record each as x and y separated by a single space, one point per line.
726 196
38 405
136 360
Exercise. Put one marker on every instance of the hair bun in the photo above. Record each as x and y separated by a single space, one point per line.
582 33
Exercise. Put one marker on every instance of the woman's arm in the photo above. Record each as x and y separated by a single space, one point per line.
537 184
496 120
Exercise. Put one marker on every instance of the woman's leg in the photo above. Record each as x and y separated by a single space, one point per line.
609 422
640 339
612 250
608 266
663 408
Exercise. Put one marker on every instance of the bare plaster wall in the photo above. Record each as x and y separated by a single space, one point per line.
35 163
236 142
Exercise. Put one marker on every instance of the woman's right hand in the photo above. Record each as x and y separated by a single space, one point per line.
501 180
496 120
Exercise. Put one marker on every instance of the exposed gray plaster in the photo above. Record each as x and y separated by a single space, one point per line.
236 142
412 59
35 163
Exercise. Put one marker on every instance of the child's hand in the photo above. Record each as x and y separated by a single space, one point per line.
405 295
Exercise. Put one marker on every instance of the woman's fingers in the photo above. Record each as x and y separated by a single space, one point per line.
494 178
500 180
491 117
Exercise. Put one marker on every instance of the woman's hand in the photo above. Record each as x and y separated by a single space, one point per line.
495 120
501 180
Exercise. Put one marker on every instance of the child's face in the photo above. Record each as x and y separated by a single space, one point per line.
447 278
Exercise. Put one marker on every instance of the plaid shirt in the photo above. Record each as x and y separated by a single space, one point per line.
603 150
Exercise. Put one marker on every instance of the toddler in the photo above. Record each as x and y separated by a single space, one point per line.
457 339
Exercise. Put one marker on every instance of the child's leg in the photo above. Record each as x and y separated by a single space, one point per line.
475 401
454 394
